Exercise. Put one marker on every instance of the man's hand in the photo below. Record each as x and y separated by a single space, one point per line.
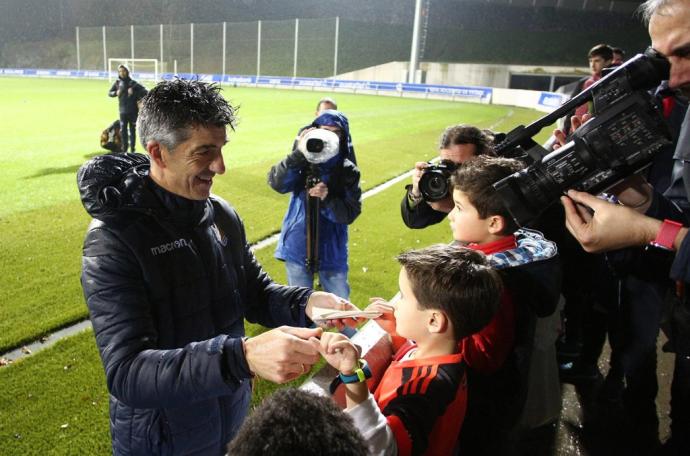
338 351
387 320
601 226
419 168
319 190
331 301
130 91
282 354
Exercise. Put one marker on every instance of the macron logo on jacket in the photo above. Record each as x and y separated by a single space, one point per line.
169 247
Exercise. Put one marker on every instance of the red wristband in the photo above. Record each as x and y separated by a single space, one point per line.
667 234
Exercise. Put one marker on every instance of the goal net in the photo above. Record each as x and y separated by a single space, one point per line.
140 69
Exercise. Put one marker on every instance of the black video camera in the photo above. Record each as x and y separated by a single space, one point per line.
622 138
434 185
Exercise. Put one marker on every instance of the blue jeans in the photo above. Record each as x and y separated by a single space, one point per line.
331 281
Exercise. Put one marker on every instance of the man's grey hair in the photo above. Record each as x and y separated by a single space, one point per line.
172 108
652 7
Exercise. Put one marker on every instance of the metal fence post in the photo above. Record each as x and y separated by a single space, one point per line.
294 65
335 48
224 35
105 54
258 51
161 45
78 56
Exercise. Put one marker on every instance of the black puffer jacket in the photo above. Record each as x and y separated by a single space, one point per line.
168 290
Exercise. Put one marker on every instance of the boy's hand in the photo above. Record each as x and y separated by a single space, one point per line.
338 351
387 319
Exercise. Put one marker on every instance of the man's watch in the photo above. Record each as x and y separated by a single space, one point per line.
413 199
666 235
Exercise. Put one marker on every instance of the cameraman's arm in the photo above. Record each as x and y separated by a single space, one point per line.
347 208
419 215
287 175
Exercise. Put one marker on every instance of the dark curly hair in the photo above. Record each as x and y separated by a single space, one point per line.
172 108
297 422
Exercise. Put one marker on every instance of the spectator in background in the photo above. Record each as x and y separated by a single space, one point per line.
129 92
618 56
296 422
457 144
600 57
324 104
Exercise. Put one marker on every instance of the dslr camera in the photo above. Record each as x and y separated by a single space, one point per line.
434 185
627 130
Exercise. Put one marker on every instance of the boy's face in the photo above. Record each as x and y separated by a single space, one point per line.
409 318
465 222
597 64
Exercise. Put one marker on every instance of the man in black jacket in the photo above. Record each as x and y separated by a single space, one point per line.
129 92
458 143
168 278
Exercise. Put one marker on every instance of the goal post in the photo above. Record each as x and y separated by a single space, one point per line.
146 69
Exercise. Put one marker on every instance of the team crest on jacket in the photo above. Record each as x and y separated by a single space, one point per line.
220 236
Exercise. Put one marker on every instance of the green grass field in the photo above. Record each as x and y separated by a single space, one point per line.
50 127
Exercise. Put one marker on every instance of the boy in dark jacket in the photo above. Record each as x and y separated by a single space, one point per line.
529 267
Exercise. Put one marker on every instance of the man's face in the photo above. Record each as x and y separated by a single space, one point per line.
325 105
458 153
409 318
465 223
122 72
670 33
188 171
597 63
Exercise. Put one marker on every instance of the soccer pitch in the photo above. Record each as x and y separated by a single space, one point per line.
50 127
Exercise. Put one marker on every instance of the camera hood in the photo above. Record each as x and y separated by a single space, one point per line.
319 145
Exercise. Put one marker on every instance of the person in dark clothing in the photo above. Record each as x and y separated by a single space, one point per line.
129 92
169 278
457 144
111 139
612 227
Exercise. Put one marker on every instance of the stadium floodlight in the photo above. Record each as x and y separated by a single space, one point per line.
146 69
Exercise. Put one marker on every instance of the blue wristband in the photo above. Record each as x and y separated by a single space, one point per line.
361 373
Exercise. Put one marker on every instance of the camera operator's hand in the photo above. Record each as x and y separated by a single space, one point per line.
600 226
575 123
419 168
319 190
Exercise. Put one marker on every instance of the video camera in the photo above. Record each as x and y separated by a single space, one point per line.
434 184
319 145
622 139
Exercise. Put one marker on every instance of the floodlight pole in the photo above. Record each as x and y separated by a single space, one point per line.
414 52
131 43
191 48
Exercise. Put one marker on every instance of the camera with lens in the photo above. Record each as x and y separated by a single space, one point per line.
434 185
319 145
627 130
